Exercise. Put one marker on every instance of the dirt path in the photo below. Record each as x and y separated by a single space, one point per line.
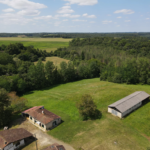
43 139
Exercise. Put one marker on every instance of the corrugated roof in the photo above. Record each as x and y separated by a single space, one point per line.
45 118
130 100
13 135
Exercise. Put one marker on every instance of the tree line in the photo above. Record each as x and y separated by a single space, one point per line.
76 35
122 60
32 76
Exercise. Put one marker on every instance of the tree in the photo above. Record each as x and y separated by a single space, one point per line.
87 108
18 104
5 109
36 75
49 72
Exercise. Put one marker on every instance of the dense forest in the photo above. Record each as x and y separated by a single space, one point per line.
19 73
76 35
119 60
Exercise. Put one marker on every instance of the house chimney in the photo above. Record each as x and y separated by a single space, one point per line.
5 128
43 112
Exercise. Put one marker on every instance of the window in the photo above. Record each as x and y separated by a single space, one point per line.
114 112
31 118
42 125
18 143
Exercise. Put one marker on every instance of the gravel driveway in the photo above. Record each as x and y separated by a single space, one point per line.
43 139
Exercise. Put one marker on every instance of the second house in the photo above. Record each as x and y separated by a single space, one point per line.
42 118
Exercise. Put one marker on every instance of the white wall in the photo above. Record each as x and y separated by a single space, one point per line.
13 147
9 147
120 115
50 124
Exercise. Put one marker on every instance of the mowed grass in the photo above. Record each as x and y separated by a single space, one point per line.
56 60
107 133
48 44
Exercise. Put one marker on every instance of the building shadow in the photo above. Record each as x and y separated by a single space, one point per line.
56 125
145 102
28 141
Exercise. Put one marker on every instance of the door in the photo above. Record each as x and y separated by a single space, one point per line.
114 112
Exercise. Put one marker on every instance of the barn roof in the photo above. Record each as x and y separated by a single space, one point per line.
55 147
130 100
13 135
45 117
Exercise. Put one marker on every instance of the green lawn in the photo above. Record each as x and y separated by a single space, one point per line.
48 44
108 133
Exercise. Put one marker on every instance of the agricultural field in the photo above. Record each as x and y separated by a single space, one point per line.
107 133
55 60
48 44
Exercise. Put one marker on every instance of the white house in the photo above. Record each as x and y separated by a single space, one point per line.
129 103
14 138
42 118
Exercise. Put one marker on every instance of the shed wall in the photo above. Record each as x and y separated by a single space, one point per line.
131 109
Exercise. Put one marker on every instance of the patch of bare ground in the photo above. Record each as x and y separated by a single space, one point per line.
43 139
147 137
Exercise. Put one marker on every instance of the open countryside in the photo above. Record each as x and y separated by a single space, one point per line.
48 44
74 75
109 132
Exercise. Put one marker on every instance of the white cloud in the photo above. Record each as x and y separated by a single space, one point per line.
44 17
29 12
119 17
91 16
85 15
124 11
8 10
127 20
88 16
79 20
74 16
23 4
12 18
106 22
65 10
67 16
147 18
83 2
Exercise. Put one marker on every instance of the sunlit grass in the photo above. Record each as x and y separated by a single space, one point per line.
48 44
108 133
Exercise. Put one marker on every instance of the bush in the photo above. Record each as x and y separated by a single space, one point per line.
87 108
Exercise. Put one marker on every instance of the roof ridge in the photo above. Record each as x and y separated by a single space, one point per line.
129 98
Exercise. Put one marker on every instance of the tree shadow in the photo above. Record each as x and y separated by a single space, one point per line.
17 121
97 114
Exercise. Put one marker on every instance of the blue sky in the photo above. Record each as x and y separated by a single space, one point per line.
26 16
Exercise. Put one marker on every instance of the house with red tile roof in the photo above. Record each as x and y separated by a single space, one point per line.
14 138
55 147
42 118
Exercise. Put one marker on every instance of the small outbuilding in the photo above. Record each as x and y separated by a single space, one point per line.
129 103
42 118
14 138
55 147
